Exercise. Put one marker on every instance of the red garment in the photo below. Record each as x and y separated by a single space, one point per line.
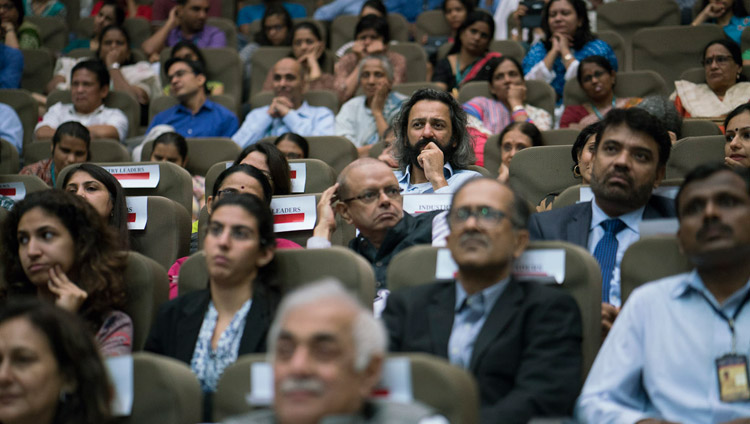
573 115
143 10
479 139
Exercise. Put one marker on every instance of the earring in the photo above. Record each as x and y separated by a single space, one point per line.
577 171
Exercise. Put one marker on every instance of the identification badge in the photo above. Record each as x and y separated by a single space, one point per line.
731 370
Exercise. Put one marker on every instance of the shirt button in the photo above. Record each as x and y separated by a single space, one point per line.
190 131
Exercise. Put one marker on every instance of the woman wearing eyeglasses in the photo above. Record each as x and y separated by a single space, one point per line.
725 87
597 79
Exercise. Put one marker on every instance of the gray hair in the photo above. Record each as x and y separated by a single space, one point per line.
369 333
662 108
383 61
463 155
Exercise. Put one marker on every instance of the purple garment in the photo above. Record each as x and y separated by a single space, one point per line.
209 37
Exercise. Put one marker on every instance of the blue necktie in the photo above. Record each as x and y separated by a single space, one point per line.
606 252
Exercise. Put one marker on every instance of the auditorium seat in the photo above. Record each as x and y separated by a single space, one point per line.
416 60
629 84
539 171
38 65
166 237
26 108
102 150
690 152
147 288
9 162
649 259
53 31
203 153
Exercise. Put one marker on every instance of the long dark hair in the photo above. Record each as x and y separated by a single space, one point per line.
583 33
315 32
277 166
471 19
98 263
250 171
271 10
124 33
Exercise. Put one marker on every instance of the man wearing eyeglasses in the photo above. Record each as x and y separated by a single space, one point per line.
367 195
521 340
196 115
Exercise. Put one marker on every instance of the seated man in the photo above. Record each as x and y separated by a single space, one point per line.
288 111
11 128
196 115
521 340
186 21
678 351
368 197
434 147
88 88
70 144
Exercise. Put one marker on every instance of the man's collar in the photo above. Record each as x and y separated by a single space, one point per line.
207 104
694 283
406 177
631 219
97 110
490 294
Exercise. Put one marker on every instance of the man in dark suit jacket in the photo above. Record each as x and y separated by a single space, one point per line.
521 340
630 159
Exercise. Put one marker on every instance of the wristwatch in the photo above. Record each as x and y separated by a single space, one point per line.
115 66
517 108
568 57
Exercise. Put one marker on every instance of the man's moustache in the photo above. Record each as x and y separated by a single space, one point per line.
312 385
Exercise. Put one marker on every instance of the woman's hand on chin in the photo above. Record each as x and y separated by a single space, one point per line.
68 295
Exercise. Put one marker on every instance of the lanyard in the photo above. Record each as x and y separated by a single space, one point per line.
52 173
599 114
730 321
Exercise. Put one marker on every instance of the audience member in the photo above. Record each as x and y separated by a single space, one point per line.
161 9
309 48
186 21
135 78
196 115
389 140
57 247
363 119
275 31
410 9
268 159
209 328
371 37
44 8
737 146
110 13
520 340
14 30
89 87
369 7
367 196
11 128
310 387
188 50
514 138
596 76
455 12
725 87
433 146
508 102
11 67
698 317
102 190
51 370
568 39
293 146
70 144
731 15
252 12
288 111
130 7
467 59
172 147
630 156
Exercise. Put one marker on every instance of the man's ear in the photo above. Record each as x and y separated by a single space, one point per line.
343 210
660 172
371 375
266 256
209 203
201 79
521 237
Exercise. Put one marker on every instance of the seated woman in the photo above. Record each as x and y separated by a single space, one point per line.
310 50
135 78
728 14
104 193
172 147
467 59
57 247
725 87
508 104
14 31
44 8
69 382
108 14
455 12
363 119
369 7
597 79
269 160
131 8
293 146
276 31
208 329
737 147
371 37
568 39
514 138
70 144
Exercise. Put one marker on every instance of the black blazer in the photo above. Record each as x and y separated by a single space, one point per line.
527 357
179 321
572 223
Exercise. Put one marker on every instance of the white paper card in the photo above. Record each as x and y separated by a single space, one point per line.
137 212
541 264
445 268
651 227
426 202
395 383
15 190
135 176
585 194
298 173
293 213
261 384
121 374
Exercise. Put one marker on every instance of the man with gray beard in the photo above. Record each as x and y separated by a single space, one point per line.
630 159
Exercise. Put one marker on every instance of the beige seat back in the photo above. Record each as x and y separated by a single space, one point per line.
166 237
175 183
538 93
569 196
26 108
102 150
669 50
139 30
325 98
493 154
693 151
53 31
228 27
450 390
510 48
629 84
223 64
617 42
408 88
649 259
9 162
297 267
698 128
319 176
203 153
38 65
539 171
165 391
31 183
262 61
432 23
147 288
416 60
115 99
